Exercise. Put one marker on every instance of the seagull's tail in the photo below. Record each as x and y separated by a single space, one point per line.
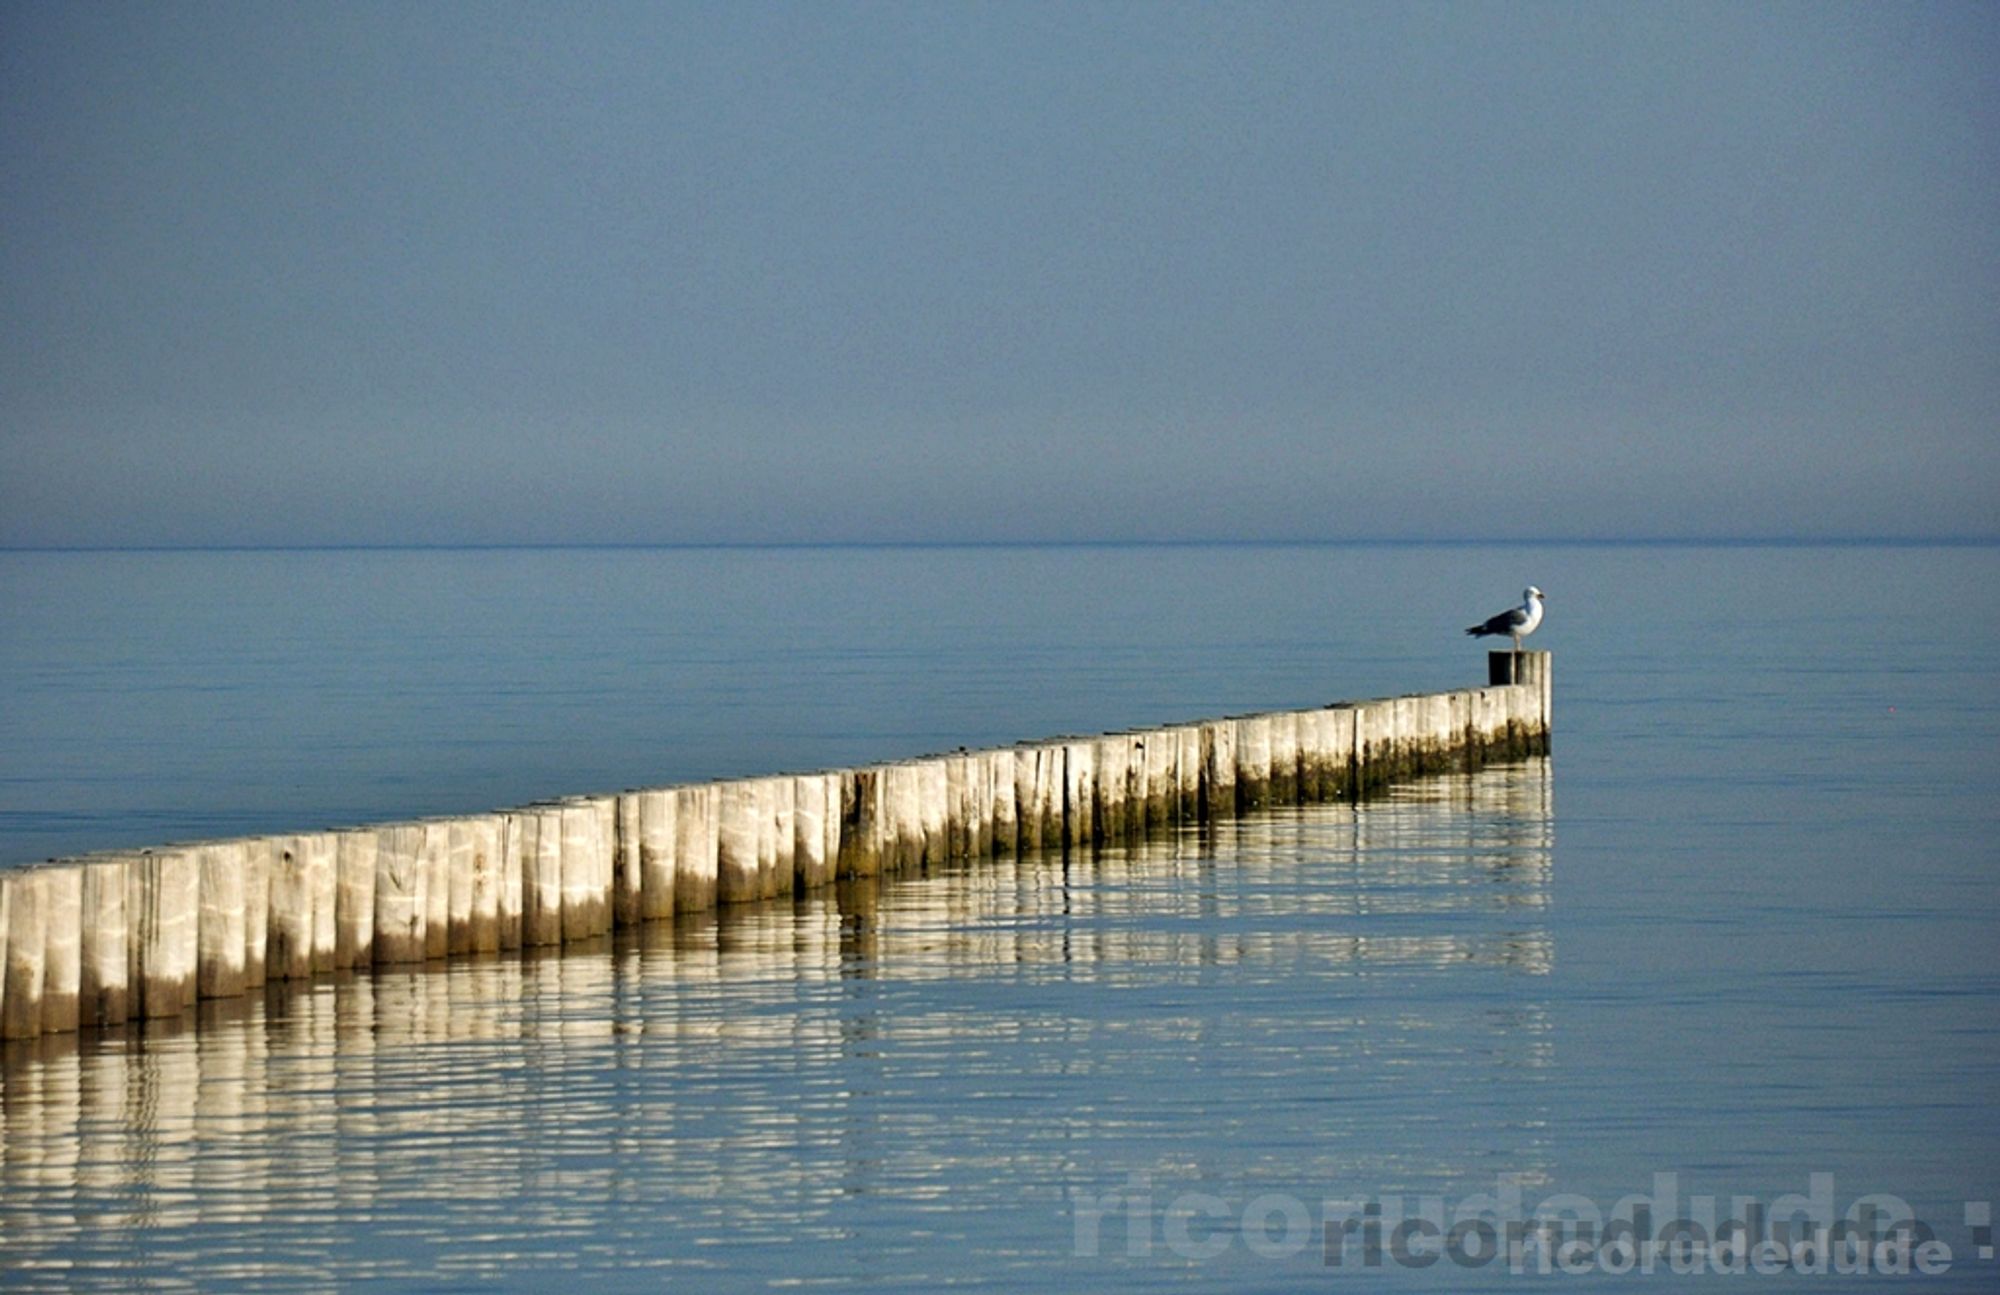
1478 631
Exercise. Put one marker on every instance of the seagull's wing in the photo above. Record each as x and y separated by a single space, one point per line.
1505 623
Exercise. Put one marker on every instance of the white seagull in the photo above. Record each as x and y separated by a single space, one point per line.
1517 621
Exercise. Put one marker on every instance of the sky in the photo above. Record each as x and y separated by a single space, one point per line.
382 273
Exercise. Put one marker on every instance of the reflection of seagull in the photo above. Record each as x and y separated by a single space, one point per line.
1517 621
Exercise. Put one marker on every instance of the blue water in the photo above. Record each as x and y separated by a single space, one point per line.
1737 931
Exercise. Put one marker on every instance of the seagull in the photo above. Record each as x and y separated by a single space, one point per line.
1517 621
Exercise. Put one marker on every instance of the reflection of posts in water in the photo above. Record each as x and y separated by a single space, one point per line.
123 1125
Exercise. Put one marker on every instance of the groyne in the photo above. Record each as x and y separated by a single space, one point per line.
99 941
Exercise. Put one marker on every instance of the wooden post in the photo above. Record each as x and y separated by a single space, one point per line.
586 867
738 820
105 987
1001 811
1079 796
1533 671
288 953
27 933
220 939
488 834
812 865
1110 756
1253 762
354 865
512 870
1312 755
656 853
957 806
321 871
902 832
696 848
1187 773
62 953
436 857
935 785
1162 788
163 910
861 823
6 909
258 852
1218 769
1284 758
463 850
1337 773
830 783
1028 799
400 900
541 876
628 881
777 857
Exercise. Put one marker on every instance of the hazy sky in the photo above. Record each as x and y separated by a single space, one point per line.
674 272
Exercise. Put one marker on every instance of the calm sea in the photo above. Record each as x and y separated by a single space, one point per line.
1733 945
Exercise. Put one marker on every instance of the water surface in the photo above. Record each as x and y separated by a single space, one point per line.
1736 931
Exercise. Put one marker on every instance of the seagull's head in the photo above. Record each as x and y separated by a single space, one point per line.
1530 594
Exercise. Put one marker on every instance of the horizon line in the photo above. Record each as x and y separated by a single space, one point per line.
1448 541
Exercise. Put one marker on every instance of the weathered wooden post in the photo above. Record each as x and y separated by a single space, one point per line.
811 864
656 852
628 882
777 853
463 852
586 866
219 938
436 857
289 948
935 789
861 822
1110 756
1039 779
513 875
541 876
958 812
1284 758
1187 773
488 833
62 953
1003 816
830 783
106 976
902 817
6 921
696 847
26 893
321 872
1162 789
1079 798
1338 775
738 822
258 851
163 910
978 802
1312 755
1218 769
400 900
354 863
1253 762
1532 671
1134 806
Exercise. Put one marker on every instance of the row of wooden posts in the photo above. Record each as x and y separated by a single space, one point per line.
96 941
